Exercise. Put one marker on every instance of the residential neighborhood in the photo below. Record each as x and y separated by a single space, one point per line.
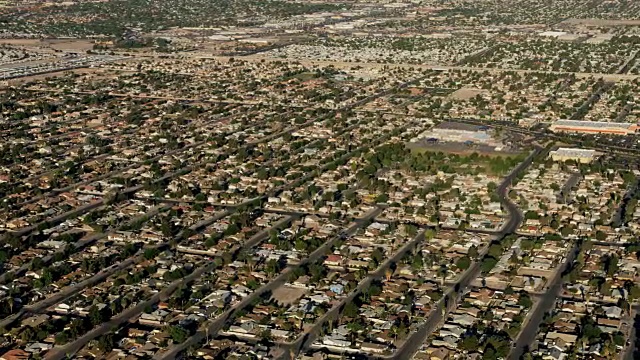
436 180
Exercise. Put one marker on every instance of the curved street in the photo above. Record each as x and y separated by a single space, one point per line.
417 339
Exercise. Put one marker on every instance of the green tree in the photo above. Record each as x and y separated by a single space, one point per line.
178 334
150 253
610 264
525 301
417 263
96 316
463 263
469 343
61 338
377 256
350 310
473 252
106 343
382 198
487 264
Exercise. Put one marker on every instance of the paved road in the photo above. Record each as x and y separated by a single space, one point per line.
211 328
564 137
544 304
69 291
76 345
305 340
632 351
59 353
370 65
594 98
132 190
417 339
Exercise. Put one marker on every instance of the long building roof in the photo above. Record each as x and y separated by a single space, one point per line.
593 124
573 152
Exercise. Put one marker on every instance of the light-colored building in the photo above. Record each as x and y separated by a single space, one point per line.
583 156
594 127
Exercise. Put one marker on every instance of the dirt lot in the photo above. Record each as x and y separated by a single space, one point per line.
466 94
287 295
461 149
54 44
602 22
70 45
21 42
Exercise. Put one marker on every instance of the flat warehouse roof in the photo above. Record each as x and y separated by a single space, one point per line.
574 152
593 124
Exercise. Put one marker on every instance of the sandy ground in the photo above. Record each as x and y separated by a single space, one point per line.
70 45
54 44
287 295
602 22
21 42
466 94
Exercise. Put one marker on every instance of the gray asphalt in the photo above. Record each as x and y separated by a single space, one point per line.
417 339
545 304
632 351
214 326
305 340
76 345
59 353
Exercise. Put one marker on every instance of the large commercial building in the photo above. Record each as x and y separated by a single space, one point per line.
584 156
462 133
594 127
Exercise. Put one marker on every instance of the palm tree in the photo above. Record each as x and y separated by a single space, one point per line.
251 263
114 306
394 332
11 304
388 273
442 272
354 328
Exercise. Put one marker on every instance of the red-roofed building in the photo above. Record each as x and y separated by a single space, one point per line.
15 354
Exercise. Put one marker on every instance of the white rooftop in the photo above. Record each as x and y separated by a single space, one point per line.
574 152
596 124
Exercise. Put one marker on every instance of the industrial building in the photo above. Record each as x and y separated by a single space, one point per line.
584 156
594 127
461 133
